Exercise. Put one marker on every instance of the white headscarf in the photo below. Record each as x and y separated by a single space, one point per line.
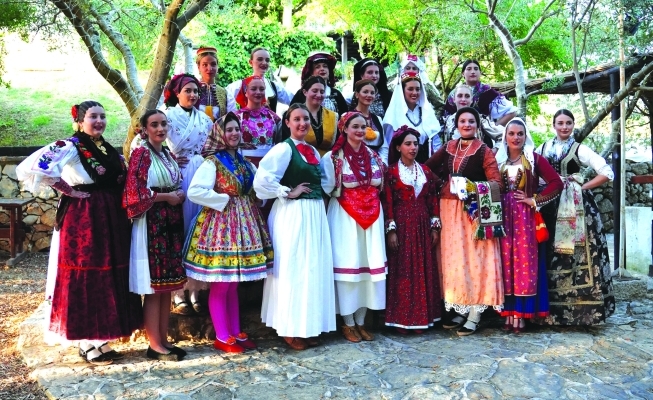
529 145
395 115
410 58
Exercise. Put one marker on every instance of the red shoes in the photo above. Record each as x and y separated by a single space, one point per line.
230 346
243 340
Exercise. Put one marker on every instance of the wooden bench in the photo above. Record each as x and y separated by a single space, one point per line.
15 232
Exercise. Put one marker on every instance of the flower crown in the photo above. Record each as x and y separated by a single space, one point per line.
410 75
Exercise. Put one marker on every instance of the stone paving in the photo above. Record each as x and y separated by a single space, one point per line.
613 361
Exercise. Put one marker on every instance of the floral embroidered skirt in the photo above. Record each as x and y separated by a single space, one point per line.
580 284
229 246
91 298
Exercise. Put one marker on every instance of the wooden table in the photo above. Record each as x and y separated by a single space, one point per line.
15 232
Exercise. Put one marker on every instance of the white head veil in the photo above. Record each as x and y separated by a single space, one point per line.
529 145
395 115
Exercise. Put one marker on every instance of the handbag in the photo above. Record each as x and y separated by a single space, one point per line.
541 232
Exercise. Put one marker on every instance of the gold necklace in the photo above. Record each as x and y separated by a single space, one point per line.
99 143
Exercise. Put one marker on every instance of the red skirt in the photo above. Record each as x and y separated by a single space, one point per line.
91 297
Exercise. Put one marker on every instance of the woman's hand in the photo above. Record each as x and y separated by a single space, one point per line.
182 161
393 243
298 190
520 196
180 193
172 198
435 237
78 194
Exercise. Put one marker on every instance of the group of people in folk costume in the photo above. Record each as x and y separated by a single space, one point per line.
342 205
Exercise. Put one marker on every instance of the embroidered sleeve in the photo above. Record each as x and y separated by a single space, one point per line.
549 175
491 168
137 197
63 187
590 159
44 167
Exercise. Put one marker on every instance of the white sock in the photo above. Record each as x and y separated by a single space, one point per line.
194 297
359 316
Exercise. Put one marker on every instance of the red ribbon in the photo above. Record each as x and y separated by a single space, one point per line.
308 153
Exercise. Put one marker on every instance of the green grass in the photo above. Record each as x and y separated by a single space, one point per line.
31 117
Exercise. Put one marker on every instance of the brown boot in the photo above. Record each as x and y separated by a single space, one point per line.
351 333
364 334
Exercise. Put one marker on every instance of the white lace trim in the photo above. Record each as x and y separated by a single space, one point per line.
413 176
466 308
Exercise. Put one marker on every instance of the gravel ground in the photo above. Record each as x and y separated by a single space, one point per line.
21 291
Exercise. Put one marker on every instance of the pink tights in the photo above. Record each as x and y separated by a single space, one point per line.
223 306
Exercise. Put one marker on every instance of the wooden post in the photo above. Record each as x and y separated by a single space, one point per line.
343 56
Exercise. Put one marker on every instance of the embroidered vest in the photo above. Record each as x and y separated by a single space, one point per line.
299 171
329 125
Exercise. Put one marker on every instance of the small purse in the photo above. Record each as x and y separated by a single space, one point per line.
541 232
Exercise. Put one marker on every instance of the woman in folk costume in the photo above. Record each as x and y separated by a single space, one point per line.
412 215
470 208
490 132
229 242
153 200
214 100
412 63
580 283
257 121
88 269
409 107
298 296
324 65
188 131
353 177
275 93
324 123
370 69
365 93
524 273
485 100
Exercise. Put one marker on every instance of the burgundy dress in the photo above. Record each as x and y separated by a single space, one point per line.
413 299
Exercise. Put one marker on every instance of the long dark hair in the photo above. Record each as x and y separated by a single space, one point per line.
381 86
82 107
563 111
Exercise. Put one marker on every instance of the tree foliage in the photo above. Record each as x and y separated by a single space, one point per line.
234 44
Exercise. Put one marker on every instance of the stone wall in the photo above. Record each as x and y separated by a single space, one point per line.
38 216
636 195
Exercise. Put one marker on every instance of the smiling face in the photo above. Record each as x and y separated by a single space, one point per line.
371 72
467 125
188 95
321 69
94 122
208 68
412 91
260 62
298 122
255 92
366 95
564 126
472 74
411 67
355 131
314 95
232 134
515 137
462 97
408 148
156 129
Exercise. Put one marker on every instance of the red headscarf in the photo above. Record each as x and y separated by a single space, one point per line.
240 97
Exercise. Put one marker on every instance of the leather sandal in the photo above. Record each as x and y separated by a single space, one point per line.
95 356
296 343
364 334
465 331
182 308
351 333
455 322
108 351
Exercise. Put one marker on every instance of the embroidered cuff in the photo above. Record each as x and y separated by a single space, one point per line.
392 226
436 223
282 192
